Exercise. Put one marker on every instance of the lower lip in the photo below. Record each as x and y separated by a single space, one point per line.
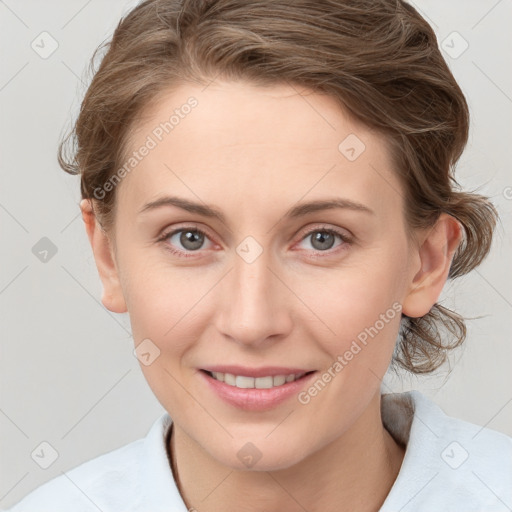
253 399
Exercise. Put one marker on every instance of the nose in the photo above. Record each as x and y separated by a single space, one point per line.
255 306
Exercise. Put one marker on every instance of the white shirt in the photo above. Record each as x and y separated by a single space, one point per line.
449 465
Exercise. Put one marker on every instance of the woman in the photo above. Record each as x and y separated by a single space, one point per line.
268 192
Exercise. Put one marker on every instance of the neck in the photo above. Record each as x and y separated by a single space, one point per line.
355 472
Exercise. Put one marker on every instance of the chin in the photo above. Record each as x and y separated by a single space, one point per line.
260 455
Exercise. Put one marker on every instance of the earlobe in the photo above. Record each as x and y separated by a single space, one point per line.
113 297
436 253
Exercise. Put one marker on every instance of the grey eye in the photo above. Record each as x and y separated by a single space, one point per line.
322 240
189 239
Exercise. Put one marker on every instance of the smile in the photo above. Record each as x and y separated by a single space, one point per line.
252 389
244 382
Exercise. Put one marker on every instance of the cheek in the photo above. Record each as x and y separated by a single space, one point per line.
360 301
161 299
362 305
163 306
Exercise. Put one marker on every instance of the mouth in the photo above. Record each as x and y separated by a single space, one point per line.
265 382
255 389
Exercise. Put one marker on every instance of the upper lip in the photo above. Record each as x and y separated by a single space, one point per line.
264 371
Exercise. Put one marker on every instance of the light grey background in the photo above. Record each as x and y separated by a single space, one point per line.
68 374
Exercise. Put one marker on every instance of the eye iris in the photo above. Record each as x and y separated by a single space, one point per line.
191 240
324 239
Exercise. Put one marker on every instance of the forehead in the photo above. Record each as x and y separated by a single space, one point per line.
234 139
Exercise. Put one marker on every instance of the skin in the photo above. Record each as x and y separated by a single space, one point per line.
253 153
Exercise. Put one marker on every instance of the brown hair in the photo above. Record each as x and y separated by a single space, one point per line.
378 58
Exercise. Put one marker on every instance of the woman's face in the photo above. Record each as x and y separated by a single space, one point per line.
273 287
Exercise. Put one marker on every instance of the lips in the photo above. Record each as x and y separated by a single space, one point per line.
255 389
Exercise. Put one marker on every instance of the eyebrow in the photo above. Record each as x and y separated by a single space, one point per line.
294 212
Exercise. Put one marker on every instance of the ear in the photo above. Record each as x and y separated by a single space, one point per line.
435 252
112 298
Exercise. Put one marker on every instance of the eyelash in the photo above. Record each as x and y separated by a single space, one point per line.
317 254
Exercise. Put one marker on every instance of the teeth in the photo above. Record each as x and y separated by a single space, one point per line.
219 376
264 382
243 382
279 380
229 379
